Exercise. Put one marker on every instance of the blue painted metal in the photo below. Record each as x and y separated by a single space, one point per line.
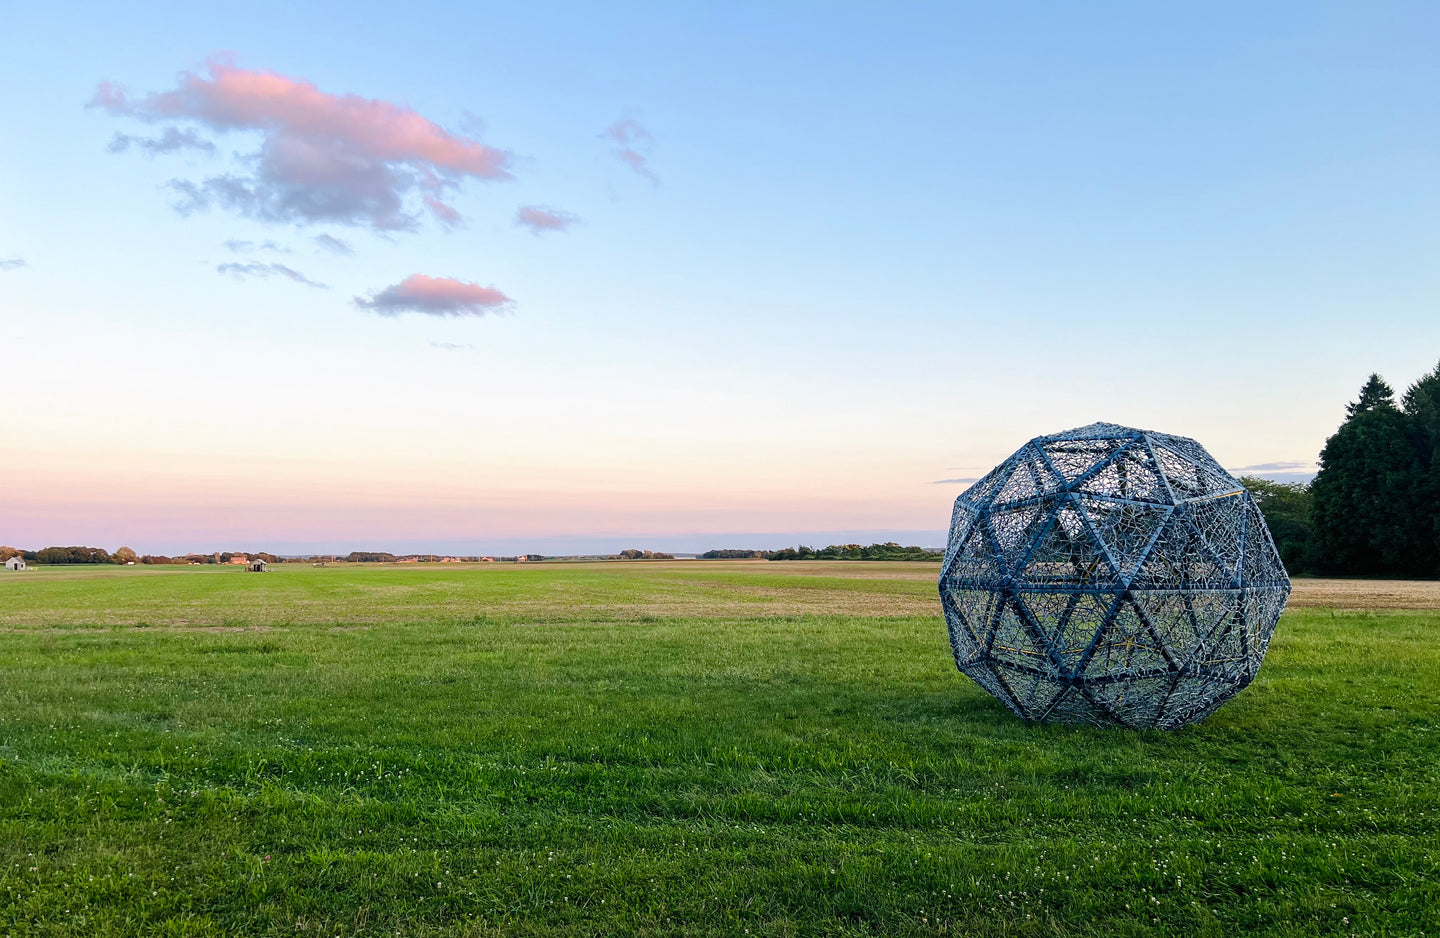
1111 576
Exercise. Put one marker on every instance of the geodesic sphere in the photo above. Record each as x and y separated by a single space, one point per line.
1111 576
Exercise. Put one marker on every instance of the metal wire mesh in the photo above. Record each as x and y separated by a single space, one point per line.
1111 576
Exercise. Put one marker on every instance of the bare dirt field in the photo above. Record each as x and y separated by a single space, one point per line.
1365 594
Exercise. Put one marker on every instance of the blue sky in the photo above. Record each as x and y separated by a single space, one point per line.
881 247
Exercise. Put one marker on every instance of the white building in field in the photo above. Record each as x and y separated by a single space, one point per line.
15 563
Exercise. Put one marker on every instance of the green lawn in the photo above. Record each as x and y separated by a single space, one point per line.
676 748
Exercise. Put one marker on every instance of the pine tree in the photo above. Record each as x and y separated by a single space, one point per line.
1375 393
1421 404
1365 495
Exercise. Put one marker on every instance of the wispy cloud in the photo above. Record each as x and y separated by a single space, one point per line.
171 141
12 263
453 346
540 219
446 215
965 481
334 244
627 131
323 157
245 247
256 269
629 137
436 296
1276 466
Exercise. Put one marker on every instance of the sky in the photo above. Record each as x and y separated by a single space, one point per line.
578 277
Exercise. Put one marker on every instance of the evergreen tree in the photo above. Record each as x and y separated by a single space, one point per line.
1374 393
1421 404
1364 496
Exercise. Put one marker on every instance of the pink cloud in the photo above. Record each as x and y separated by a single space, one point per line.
628 134
636 162
447 215
323 157
540 219
436 296
109 96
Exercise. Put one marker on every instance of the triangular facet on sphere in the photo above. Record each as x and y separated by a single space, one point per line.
1111 576
1262 560
981 492
1074 459
962 519
975 560
1053 614
1220 522
1167 614
1135 703
1031 691
1066 551
1029 478
1127 529
1128 647
1014 531
1017 640
971 613
1206 610
1180 559
1075 706
1130 475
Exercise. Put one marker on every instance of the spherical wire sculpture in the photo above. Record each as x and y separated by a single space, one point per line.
1111 576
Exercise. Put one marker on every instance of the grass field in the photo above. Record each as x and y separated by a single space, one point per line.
676 748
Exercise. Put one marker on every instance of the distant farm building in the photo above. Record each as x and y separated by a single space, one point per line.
15 563
257 566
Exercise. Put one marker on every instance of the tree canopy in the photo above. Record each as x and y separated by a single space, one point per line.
1374 505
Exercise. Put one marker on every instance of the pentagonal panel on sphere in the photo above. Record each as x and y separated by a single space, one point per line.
1111 576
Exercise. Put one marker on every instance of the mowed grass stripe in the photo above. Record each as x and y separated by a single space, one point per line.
301 594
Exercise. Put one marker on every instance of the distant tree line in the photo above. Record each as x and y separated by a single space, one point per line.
69 555
61 556
65 556
643 555
887 551
380 556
